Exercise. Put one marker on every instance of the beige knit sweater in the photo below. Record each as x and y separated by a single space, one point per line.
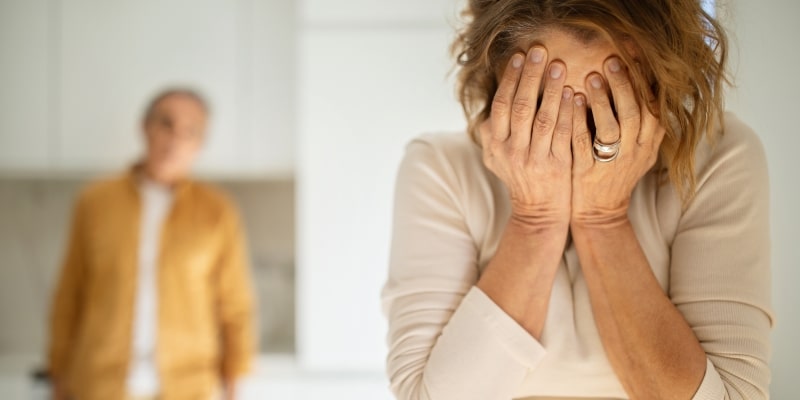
449 341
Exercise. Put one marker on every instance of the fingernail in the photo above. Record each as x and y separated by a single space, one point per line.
567 93
516 61
579 101
596 82
556 70
537 55
613 65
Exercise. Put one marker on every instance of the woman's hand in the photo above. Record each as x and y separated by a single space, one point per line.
601 191
528 146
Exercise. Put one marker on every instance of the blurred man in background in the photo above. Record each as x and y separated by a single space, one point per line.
154 299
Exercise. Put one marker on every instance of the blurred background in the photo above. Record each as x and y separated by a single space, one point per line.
312 103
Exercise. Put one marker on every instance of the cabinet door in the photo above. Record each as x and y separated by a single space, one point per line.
24 77
274 86
364 94
116 55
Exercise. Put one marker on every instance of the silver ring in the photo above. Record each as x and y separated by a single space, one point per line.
605 152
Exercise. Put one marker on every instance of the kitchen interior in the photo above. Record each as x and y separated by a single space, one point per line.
308 164
312 102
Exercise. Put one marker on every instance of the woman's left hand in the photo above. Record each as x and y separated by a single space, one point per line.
601 191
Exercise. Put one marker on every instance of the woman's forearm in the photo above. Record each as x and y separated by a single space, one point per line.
652 349
519 278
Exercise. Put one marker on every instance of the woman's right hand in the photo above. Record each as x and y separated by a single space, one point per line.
528 146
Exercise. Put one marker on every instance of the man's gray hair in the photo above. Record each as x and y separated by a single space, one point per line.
175 91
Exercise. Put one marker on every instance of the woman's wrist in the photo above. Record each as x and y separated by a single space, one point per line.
591 215
597 221
542 220
547 233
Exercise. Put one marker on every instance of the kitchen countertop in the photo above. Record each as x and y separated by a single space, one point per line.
276 376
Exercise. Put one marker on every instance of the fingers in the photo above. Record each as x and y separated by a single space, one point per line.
504 97
604 119
652 132
562 135
633 123
628 109
547 114
488 143
524 106
485 130
581 136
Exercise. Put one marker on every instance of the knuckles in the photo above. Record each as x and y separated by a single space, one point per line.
543 122
621 83
500 107
583 139
521 109
517 157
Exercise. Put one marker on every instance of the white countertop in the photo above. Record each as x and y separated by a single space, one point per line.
275 377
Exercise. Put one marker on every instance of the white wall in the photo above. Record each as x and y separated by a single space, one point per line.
766 61
363 95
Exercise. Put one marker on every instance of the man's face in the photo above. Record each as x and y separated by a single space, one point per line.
174 133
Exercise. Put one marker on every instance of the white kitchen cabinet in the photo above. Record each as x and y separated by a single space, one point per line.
76 75
24 76
377 13
363 96
115 55
274 86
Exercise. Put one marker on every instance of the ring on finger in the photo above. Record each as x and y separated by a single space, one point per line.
604 152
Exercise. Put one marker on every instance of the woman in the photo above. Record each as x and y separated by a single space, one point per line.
605 232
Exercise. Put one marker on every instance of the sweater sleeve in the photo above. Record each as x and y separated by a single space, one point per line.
720 271
447 339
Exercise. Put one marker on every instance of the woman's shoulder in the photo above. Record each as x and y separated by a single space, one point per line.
737 134
453 146
452 154
444 174
733 149
450 163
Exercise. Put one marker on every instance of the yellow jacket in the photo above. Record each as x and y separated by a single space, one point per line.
205 302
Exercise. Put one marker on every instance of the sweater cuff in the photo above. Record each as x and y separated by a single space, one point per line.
482 353
711 388
481 316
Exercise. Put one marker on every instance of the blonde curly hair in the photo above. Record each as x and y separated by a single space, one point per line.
678 53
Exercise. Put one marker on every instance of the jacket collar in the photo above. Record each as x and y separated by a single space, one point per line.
135 174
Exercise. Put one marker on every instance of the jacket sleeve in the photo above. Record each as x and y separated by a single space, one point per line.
447 339
235 300
720 268
65 312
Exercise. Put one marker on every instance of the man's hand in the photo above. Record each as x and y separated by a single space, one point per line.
58 392
229 389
